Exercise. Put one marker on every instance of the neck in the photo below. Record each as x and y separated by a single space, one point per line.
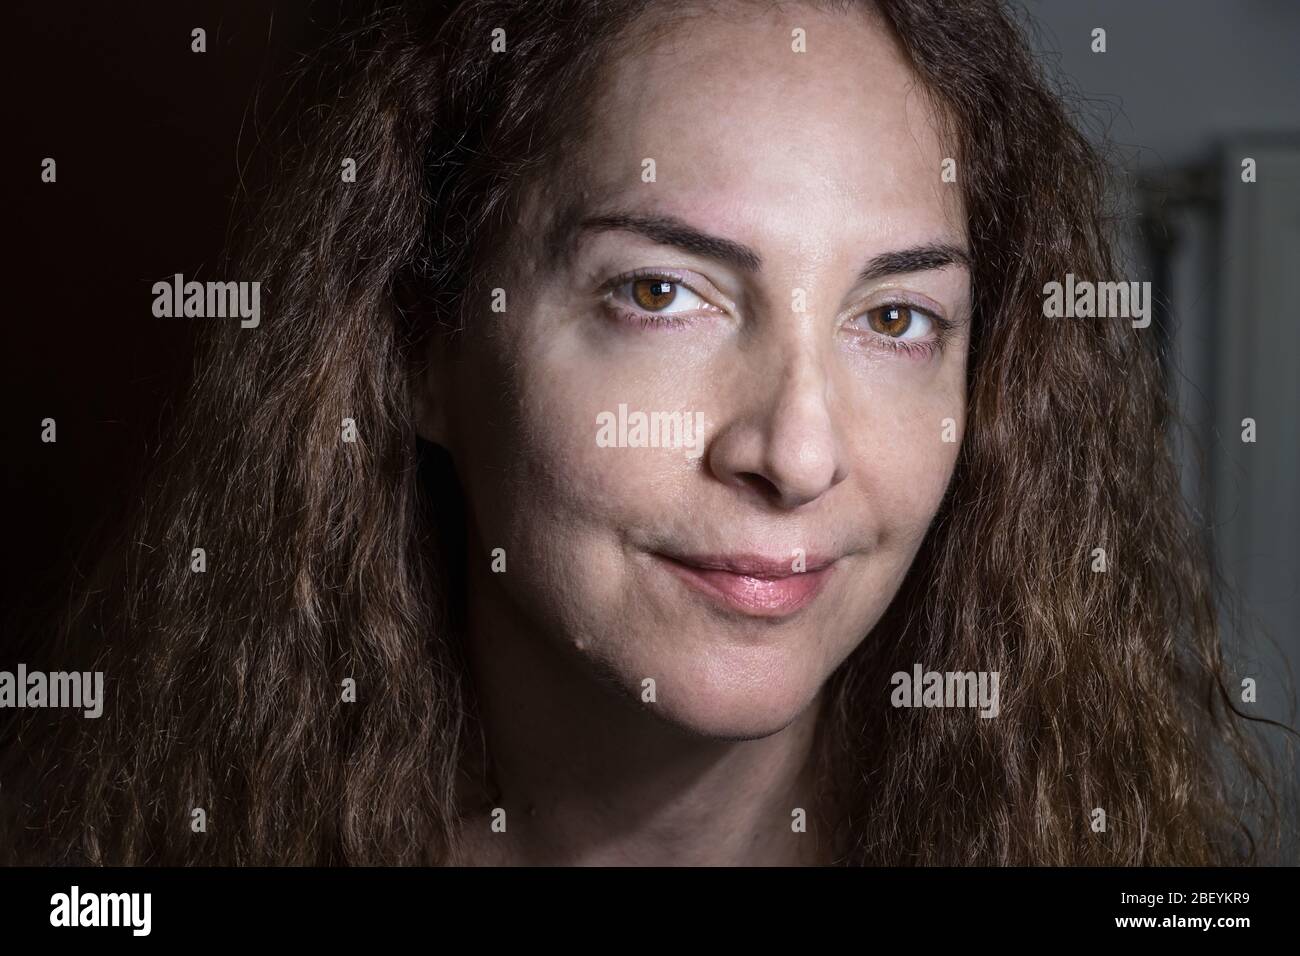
588 775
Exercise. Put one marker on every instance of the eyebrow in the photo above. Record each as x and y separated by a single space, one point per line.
934 255
670 231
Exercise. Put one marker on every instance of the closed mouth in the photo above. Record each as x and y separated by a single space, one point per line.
755 586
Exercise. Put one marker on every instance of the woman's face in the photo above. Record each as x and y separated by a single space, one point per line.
788 272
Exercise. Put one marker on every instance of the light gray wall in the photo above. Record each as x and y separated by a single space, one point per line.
1178 75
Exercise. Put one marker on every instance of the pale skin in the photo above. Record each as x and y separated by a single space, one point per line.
824 434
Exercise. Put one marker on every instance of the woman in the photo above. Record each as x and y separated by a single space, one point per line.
654 450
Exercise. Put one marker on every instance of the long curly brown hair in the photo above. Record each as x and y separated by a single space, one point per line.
331 560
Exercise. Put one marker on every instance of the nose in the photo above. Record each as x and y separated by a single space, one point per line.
781 444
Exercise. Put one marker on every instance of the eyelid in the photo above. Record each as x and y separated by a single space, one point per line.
892 292
936 340
680 277
912 300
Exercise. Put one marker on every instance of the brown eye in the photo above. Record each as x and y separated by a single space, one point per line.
653 294
891 320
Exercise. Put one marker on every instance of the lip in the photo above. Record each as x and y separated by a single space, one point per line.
751 584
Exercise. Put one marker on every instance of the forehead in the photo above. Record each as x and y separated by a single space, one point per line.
741 125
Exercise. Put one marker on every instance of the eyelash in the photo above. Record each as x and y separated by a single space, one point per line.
917 349
648 320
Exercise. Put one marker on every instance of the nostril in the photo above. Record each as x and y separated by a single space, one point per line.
764 486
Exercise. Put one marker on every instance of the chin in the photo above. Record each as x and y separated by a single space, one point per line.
733 695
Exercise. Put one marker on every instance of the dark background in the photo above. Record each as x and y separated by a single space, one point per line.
155 147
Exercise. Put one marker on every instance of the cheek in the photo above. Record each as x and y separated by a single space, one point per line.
576 447
904 446
542 486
